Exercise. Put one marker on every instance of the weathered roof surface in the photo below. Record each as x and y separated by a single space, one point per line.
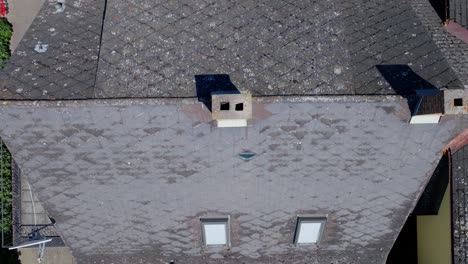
455 50
128 180
459 204
155 48
67 69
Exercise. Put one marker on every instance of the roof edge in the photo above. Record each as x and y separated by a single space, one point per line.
458 142
191 100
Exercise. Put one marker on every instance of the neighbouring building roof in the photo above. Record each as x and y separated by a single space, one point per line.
459 203
155 49
128 180
453 48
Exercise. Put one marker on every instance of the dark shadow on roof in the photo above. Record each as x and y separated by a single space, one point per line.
431 198
440 8
404 81
209 83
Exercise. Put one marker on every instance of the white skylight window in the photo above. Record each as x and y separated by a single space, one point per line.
215 231
309 230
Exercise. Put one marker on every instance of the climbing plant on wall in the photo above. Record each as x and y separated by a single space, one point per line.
6 256
6 32
6 188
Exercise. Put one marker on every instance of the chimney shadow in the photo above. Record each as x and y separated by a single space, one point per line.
404 81
441 8
209 83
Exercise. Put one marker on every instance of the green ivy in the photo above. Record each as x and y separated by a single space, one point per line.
6 31
5 194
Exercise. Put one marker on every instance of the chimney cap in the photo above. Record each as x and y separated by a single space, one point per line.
233 107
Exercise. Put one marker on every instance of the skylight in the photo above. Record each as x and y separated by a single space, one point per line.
215 231
309 229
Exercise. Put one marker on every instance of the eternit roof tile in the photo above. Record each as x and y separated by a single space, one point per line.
138 174
154 49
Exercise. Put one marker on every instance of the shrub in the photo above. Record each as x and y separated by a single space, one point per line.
6 256
6 31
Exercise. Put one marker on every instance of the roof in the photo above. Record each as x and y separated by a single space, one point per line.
128 180
452 47
156 48
459 201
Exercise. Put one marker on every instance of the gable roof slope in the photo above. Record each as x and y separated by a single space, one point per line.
155 48
127 181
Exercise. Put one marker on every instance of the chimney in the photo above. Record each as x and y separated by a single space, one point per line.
231 109
456 101
433 103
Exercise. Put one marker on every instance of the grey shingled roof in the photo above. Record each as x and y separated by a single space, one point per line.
128 180
155 48
459 204
68 68
455 50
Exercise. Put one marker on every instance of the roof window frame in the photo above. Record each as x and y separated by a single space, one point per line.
204 221
322 220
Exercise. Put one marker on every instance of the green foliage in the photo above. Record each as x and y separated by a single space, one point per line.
6 31
6 191
6 256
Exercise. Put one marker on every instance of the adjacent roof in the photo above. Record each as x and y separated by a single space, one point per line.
156 48
127 181
453 48
459 202
67 69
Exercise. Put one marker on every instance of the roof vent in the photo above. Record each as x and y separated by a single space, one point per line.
59 6
231 110
247 155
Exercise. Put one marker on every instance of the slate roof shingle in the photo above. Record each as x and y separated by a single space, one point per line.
155 48
128 180
459 190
